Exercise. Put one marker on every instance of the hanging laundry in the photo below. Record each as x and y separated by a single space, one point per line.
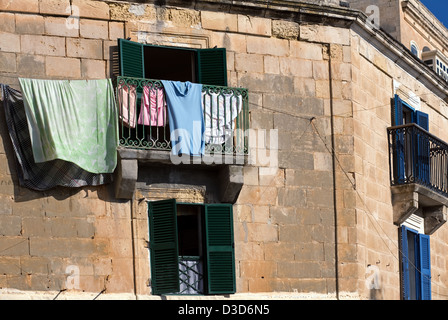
72 120
185 117
153 107
127 103
220 111
46 175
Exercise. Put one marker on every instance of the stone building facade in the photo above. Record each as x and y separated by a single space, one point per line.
319 220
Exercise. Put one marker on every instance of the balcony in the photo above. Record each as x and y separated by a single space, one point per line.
225 112
145 140
418 175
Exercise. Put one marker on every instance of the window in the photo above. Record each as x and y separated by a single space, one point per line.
416 265
414 49
191 248
206 66
412 151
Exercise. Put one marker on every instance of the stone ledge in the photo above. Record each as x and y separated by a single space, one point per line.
417 199
229 171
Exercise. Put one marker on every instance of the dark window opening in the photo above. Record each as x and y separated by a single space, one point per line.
189 230
174 64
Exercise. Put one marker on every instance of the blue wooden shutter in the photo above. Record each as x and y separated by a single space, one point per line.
212 66
163 246
405 283
399 171
422 172
220 255
131 58
398 111
425 267
422 119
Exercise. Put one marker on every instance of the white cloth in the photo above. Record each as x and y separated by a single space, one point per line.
220 111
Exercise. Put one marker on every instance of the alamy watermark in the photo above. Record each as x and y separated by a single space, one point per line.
261 149
72 280
373 16
72 22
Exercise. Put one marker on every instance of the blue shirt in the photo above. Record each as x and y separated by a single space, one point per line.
185 117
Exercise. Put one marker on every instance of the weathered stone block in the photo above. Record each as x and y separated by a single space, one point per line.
306 50
8 22
10 266
292 197
94 29
219 21
85 48
254 25
258 269
29 24
279 251
63 67
8 62
248 62
296 67
13 246
9 42
20 5
326 34
289 269
272 46
30 65
56 26
267 83
93 69
56 7
10 226
271 64
116 30
42 45
285 29
90 9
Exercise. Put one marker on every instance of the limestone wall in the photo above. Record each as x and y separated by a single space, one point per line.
307 221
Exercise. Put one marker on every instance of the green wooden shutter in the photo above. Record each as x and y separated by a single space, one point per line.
425 267
220 253
163 246
212 66
131 59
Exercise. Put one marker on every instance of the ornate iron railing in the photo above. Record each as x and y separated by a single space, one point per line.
191 275
144 117
416 156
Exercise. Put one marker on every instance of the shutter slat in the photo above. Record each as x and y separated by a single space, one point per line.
163 246
399 164
425 266
131 59
405 264
212 66
219 249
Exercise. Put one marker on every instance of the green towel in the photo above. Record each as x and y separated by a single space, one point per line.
72 120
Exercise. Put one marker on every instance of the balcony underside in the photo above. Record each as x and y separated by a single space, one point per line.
137 169
417 199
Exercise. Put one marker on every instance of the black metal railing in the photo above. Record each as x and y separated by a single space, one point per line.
416 156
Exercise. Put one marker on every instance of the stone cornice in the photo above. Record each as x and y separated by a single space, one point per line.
434 30
331 15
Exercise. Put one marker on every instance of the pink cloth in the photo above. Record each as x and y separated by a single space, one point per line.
153 107
127 103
